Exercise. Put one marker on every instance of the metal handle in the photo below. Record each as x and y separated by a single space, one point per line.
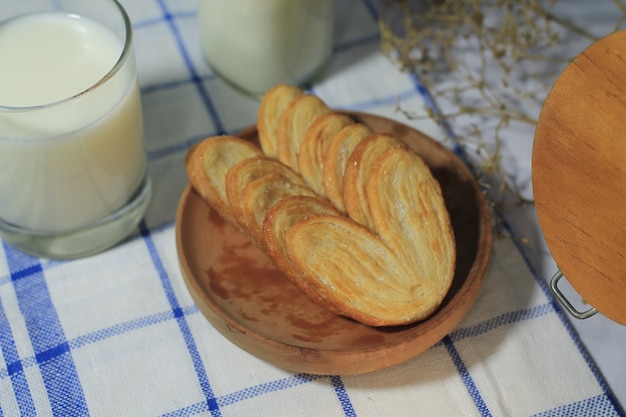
565 302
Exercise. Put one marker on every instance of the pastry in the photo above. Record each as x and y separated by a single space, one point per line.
352 272
314 146
273 104
336 159
293 124
357 173
408 212
261 195
355 219
278 220
207 164
240 175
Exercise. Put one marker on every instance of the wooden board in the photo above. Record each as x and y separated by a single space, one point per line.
252 304
579 174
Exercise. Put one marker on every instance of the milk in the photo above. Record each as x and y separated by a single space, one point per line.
255 44
69 164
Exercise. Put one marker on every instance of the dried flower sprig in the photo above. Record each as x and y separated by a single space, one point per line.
488 64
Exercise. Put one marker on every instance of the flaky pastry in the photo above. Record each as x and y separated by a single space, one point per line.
408 212
273 104
316 140
293 124
207 164
354 218
240 175
336 159
260 196
279 220
357 173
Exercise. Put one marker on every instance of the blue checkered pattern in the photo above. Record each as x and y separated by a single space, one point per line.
118 334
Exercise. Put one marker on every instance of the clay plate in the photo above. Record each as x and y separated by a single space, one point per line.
251 303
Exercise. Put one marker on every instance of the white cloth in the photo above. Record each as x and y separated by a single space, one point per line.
118 333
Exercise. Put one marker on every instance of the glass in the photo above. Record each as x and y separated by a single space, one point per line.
74 173
256 44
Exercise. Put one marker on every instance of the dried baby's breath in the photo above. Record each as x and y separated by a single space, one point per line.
488 65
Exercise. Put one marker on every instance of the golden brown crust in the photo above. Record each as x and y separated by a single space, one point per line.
293 124
353 271
207 164
315 144
389 261
240 175
278 220
336 159
259 196
273 103
357 172
409 214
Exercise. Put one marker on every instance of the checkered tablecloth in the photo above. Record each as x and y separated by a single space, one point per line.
117 334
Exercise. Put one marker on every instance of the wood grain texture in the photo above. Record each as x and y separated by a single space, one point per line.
244 296
579 174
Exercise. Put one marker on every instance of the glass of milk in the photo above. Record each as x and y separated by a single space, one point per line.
256 44
73 170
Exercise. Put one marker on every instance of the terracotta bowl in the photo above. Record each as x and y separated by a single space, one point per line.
241 293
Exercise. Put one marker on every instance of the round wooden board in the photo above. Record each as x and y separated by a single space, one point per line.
579 174
252 304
